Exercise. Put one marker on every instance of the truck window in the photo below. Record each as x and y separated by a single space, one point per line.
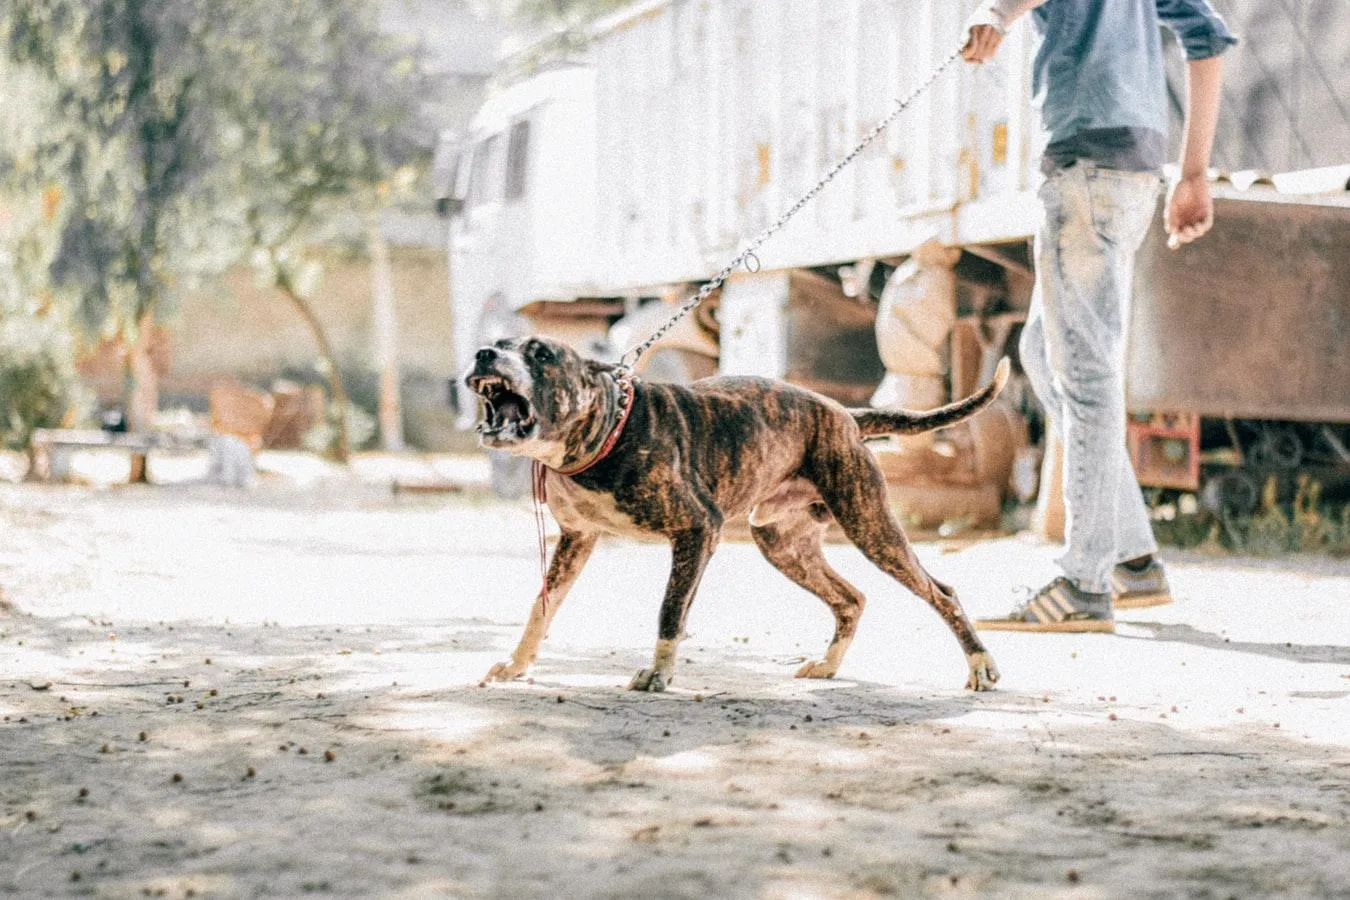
517 160
445 165
446 172
485 172
453 168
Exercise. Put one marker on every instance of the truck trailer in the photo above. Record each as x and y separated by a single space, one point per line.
593 193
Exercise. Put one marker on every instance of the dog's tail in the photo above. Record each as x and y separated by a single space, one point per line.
877 422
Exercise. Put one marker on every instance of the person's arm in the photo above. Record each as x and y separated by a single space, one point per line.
987 25
1190 209
1203 35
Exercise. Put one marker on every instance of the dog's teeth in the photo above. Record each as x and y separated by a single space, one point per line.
490 383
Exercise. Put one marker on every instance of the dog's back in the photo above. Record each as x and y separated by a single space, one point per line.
736 436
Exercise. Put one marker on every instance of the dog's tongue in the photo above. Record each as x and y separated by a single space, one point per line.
509 409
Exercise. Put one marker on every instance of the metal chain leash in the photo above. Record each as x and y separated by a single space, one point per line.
633 354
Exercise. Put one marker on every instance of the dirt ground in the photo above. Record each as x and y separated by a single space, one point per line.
208 692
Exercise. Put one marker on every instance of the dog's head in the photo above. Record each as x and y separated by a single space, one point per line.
539 397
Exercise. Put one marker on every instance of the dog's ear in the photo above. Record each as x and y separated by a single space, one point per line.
596 367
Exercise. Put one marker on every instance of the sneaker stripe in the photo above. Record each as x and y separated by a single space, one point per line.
1046 612
1131 590
1059 606
1118 583
1066 608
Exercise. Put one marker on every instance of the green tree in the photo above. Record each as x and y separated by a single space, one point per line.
554 29
132 137
185 134
39 384
554 15
328 133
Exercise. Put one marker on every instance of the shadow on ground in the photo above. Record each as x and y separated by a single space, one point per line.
205 760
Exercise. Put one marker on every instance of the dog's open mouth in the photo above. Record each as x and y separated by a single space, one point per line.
506 414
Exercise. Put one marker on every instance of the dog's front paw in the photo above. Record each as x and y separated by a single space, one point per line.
652 680
817 668
983 672
504 671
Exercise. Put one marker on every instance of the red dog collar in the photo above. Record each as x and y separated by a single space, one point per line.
626 407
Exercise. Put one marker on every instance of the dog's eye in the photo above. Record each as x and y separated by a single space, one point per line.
541 352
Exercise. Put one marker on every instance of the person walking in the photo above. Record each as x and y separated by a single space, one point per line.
1099 78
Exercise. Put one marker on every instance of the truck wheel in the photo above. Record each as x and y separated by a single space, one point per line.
1235 492
1280 447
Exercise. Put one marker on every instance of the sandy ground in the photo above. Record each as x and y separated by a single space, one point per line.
207 692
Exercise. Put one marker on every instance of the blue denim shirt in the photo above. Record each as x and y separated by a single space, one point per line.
1099 75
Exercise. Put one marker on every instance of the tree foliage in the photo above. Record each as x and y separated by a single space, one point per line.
38 382
185 135
552 29
131 145
553 14
340 137
332 128
187 131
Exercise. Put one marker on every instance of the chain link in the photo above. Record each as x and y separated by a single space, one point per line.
633 354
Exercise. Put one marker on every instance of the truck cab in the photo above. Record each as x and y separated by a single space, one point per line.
522 205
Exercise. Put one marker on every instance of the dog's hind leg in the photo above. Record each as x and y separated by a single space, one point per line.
689 550
853 488
574 548
793 544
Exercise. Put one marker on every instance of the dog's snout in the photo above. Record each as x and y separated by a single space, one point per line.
485 356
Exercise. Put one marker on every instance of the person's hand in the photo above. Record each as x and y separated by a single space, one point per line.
1190 210
982 42
984 32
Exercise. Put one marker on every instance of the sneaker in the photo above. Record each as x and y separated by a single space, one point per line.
1058 607
1136 589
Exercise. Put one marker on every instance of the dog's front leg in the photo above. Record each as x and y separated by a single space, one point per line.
574 548
690 551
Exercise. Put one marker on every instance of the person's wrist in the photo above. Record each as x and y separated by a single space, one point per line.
990 15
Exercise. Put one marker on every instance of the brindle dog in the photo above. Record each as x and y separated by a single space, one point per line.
687 459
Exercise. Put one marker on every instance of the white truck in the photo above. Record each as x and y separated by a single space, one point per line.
694 124
588 193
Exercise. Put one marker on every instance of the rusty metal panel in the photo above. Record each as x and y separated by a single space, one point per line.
800 327
1253 320
831 341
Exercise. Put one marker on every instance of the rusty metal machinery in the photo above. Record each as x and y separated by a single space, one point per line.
1239 354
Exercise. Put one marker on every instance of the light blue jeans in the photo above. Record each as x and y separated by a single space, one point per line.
1073 351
